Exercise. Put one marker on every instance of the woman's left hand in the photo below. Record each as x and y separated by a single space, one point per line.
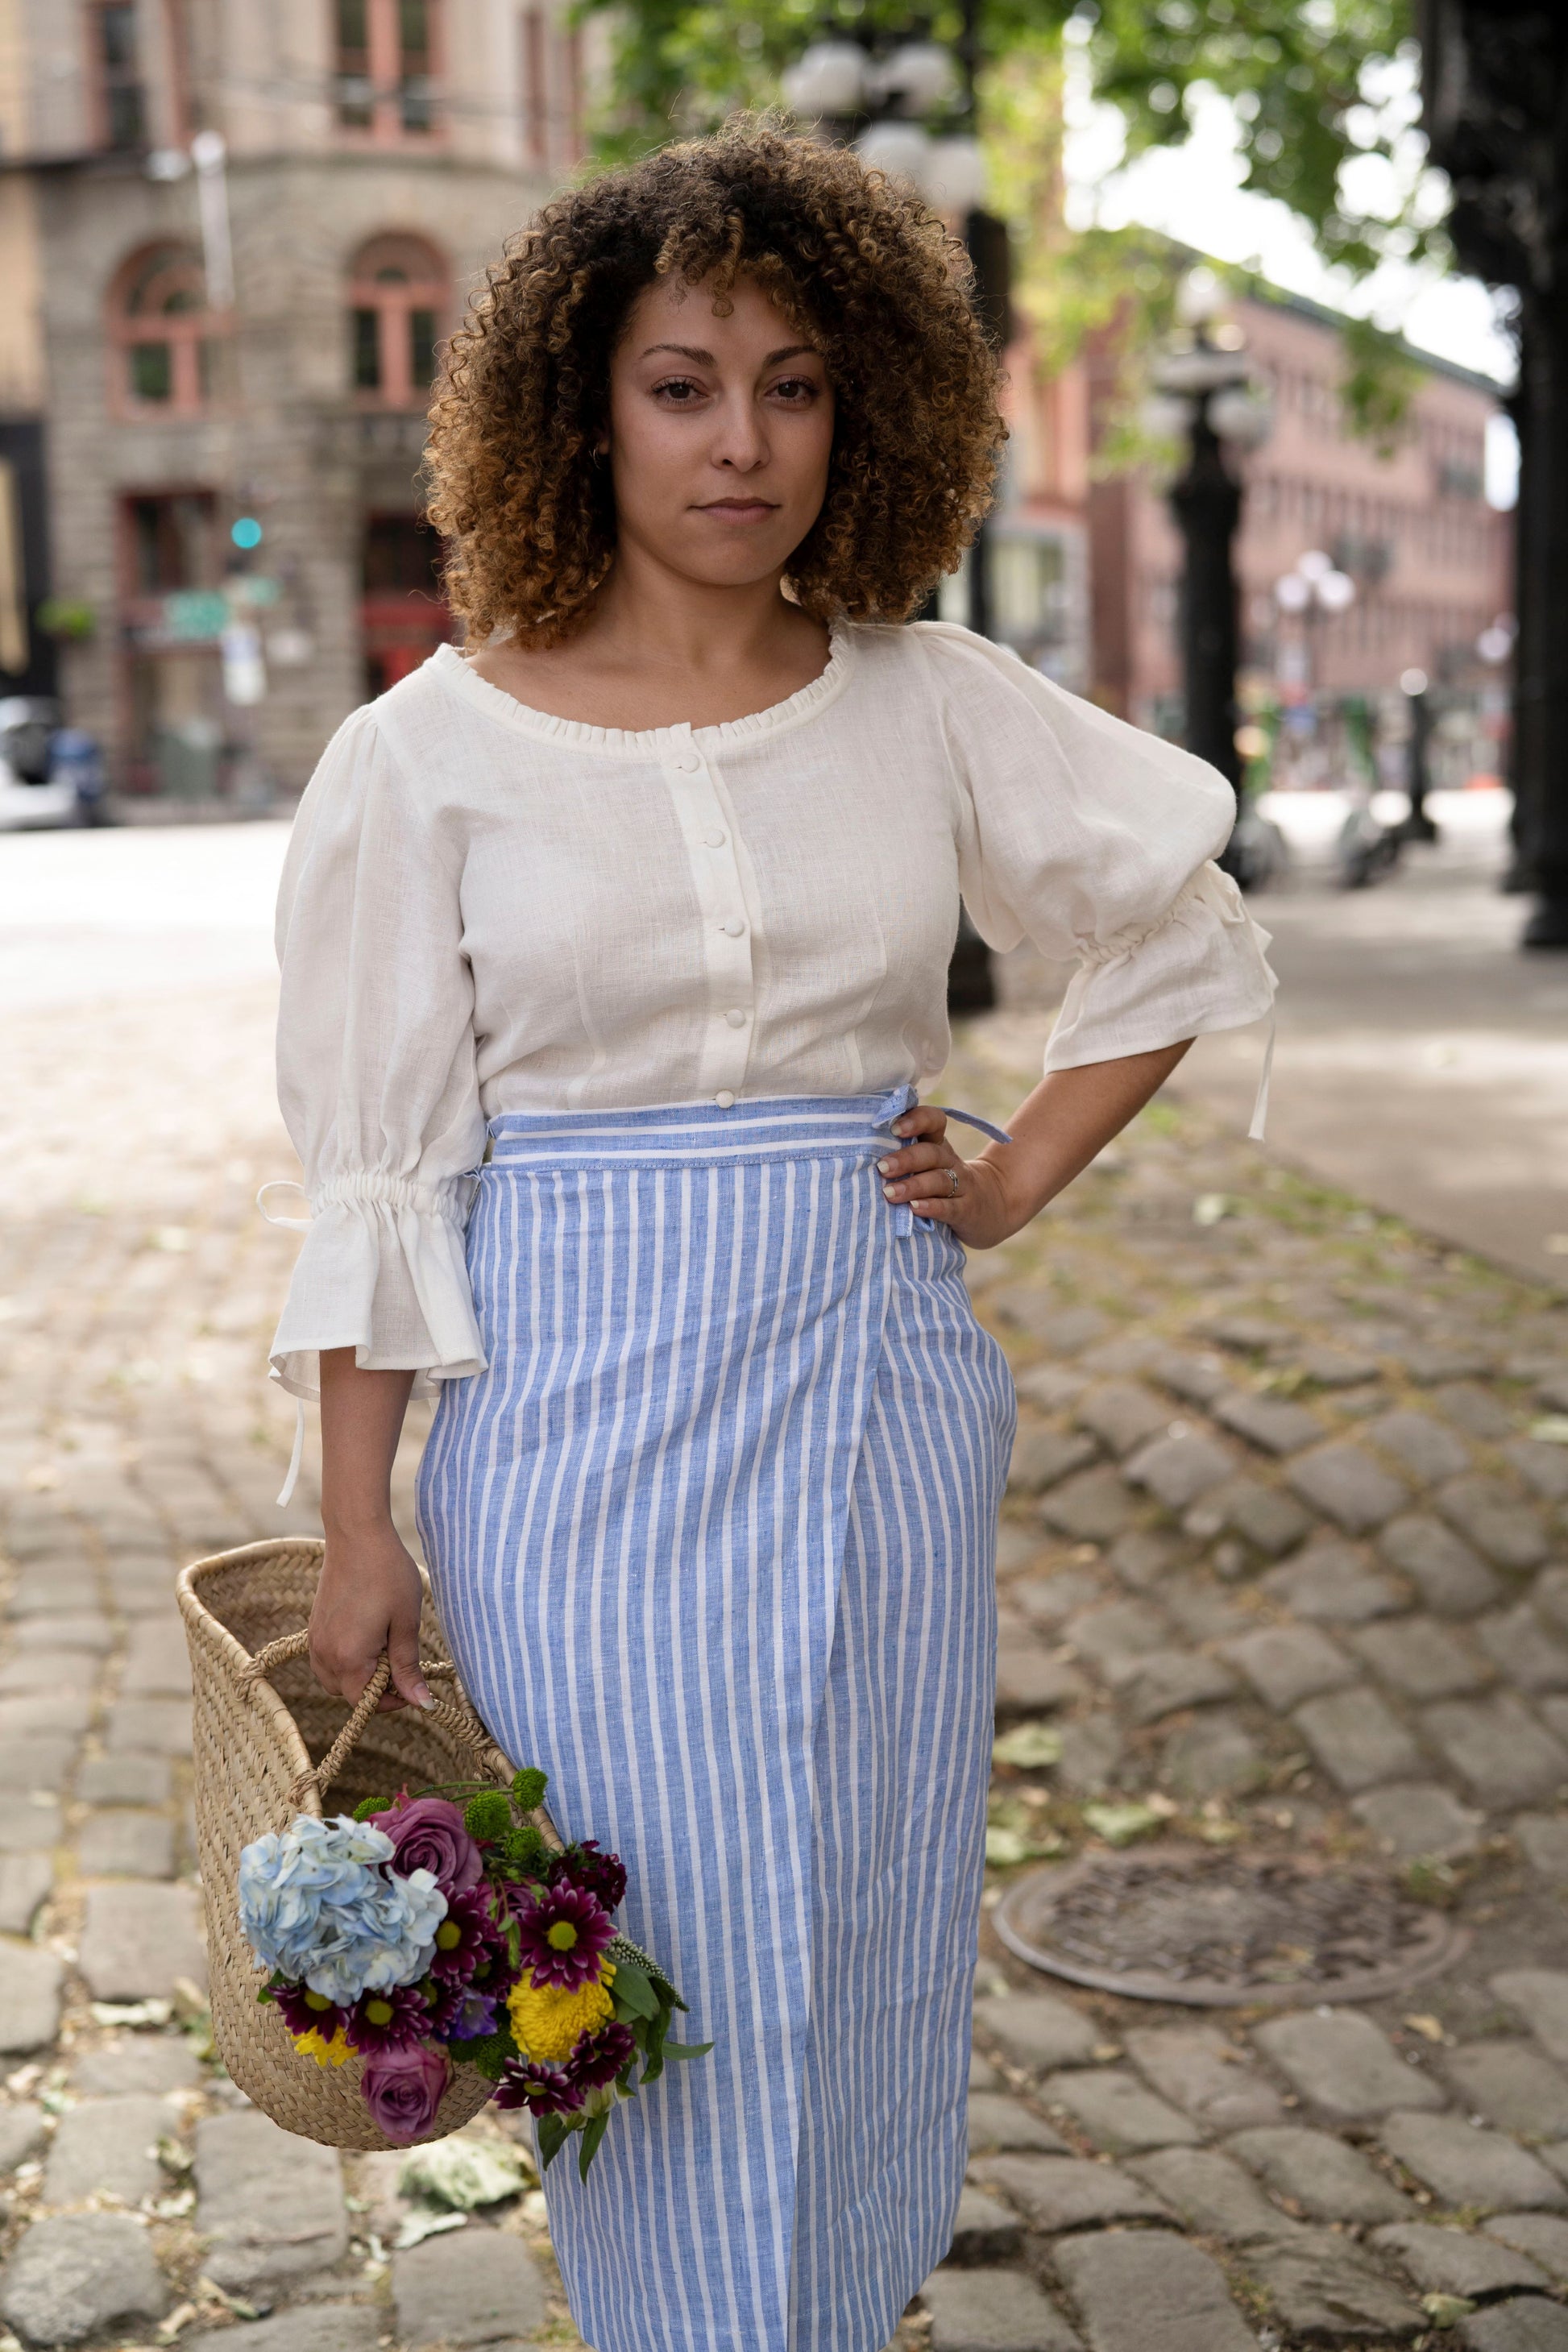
970 1196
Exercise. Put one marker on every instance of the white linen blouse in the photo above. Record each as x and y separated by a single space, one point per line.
484 909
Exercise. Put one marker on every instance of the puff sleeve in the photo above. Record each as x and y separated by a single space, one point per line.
1095 842
376 1076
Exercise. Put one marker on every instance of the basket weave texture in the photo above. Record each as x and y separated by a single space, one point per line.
259 1739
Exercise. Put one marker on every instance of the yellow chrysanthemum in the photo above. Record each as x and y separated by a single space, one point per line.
326 2050
547 2019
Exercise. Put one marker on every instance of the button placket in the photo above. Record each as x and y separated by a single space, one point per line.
726 925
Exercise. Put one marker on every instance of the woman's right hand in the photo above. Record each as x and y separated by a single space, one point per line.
368 1601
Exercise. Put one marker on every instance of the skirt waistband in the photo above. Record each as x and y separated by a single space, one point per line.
802 1125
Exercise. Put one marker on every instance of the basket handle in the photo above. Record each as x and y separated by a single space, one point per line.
455 1718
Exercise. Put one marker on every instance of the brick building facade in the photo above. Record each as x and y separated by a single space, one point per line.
234 552
1430 559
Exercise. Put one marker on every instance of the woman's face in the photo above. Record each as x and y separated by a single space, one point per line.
719 434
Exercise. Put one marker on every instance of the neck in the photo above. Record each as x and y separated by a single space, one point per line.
651 617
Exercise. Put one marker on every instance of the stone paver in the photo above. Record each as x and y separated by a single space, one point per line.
1208 2076
997 2122
108 2147
1140 2291
1067 2192
1511 2084
1526 2323
1286 1664
29 1997
1458 2262
1539 1996
1497 1747
1036 2031
1210 2192
1274 1479
142 1942
1323 2288
269 2205
1420 1817
1357 1740
1329 2180
1339 2061
985 2230
1465 2165
995 2311
1116 2112
474 2286
70 2277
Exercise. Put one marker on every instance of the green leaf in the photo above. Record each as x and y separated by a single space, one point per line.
687 2049
593 2134
632 1987
623 1950
554 2134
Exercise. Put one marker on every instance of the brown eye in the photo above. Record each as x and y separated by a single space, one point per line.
679 390
798 388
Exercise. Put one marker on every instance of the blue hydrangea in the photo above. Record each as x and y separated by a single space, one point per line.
317 1907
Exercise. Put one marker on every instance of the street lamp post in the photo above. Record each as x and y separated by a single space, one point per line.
1206 389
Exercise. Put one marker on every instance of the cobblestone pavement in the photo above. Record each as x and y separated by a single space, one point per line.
1285 1572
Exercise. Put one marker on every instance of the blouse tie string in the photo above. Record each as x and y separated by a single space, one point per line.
293 1226
1260 1108
894 1104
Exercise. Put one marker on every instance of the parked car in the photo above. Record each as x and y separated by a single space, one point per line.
50 774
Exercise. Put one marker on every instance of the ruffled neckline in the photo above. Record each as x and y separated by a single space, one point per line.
456 673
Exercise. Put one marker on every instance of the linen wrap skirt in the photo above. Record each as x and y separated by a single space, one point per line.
713 1542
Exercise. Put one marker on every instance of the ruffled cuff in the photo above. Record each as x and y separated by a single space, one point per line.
383 1271
1201 966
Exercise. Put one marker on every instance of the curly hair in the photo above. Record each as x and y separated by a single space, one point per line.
855 262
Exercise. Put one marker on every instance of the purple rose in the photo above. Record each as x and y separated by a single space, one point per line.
403 2089
428 1834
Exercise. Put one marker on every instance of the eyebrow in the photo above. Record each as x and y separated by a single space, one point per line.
705 359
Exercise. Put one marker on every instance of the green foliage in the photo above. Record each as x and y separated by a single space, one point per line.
529 1786
1379 385
368 1805
1309 80
488 2052
525 1850
488 1816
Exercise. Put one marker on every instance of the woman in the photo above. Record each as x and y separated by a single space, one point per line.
657 885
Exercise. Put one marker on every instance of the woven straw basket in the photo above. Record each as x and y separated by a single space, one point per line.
269 1744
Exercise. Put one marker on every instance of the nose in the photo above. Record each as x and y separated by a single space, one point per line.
740 441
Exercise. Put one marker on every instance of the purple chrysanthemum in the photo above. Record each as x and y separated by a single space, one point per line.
542 2090
304 2011
466 1937
562 1934
393 2020
602 1875
598 2057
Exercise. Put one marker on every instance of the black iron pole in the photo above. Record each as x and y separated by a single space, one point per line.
1417 825
1205 499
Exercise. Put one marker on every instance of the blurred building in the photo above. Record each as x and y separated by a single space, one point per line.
214 380
1037 541
1429 558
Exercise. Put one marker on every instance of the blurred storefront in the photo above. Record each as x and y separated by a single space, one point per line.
231 242
1426 559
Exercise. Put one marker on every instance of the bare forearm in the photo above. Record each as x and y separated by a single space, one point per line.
1071 1116
361 1421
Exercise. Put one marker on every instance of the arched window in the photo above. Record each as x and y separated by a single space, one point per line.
398 296
162 331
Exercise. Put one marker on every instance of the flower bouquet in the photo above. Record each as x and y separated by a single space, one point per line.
444 1930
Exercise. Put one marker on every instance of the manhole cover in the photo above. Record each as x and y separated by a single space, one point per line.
1217 1929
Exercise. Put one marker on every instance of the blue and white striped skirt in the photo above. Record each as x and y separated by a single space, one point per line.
713 1542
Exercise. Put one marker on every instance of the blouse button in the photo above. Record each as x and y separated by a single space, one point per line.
735 1017
686 761
713 840
724 1099
734 928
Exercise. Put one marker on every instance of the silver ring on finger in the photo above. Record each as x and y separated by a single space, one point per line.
953 1182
